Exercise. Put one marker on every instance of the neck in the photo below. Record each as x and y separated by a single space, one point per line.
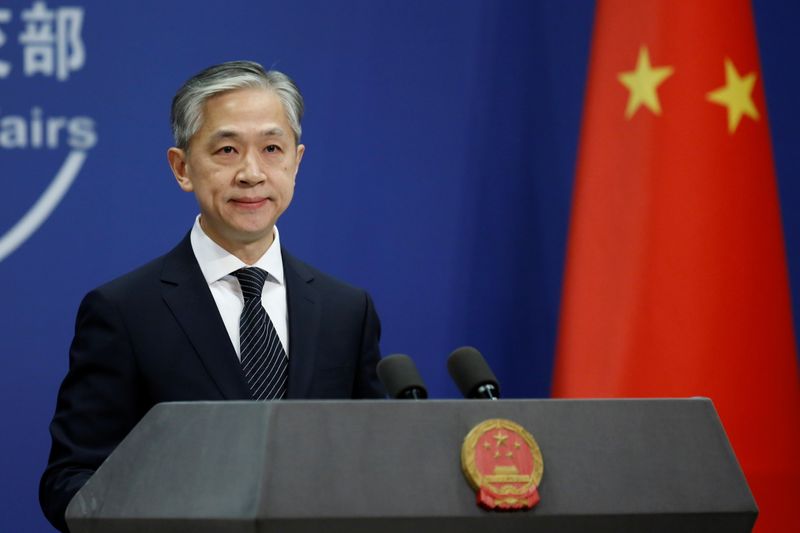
248 251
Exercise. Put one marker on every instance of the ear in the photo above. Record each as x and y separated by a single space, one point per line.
301 149
178 164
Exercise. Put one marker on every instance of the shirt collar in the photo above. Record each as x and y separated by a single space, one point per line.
216 262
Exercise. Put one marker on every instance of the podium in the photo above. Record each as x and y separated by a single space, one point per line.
394 466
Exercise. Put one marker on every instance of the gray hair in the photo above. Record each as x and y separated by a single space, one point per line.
187 105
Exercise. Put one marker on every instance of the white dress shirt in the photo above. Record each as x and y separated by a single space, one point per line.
217 265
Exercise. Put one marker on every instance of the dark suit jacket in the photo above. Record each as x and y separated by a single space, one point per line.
155 335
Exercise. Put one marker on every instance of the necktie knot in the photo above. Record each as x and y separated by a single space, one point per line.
252 281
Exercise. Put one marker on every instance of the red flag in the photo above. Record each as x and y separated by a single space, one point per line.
676 280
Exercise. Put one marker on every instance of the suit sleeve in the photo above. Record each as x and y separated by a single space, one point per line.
98 404
367 384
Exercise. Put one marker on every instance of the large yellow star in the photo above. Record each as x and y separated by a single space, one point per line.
736 95
642 84
500 437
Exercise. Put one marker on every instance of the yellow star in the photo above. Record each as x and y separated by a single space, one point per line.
736 95
500 437
642 84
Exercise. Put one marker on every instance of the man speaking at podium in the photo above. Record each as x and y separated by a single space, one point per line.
228 314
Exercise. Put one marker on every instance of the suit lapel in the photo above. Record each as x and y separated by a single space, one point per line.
186 293
304 316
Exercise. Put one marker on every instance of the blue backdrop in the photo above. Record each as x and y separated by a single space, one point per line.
441 141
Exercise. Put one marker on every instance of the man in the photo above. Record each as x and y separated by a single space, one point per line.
215 318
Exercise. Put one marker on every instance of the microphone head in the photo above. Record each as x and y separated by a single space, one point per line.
472 374
399 375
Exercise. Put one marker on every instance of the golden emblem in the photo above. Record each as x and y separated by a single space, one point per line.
503 462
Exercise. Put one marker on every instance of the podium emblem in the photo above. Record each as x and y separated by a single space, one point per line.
503 463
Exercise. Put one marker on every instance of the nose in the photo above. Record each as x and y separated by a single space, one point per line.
251 171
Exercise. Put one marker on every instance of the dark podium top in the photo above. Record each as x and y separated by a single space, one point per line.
394 466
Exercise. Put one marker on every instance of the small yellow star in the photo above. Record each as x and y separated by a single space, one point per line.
516 444
509 454
486 445
736 95
642 84
496 454
500 438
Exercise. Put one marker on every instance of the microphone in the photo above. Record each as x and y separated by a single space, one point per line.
399 375
472 374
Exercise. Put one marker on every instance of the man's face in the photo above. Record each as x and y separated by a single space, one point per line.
241 165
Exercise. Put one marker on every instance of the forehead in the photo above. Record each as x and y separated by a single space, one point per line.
243 109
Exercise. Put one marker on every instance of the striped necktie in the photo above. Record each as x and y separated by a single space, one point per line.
264 361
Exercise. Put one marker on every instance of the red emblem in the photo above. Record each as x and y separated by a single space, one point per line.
503 463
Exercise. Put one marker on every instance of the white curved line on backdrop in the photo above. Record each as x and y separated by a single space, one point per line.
48 201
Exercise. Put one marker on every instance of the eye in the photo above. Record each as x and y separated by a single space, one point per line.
226 150
272 148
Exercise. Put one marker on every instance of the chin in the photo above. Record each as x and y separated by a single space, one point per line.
251 235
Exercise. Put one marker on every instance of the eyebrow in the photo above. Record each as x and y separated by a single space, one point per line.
273 132
230 134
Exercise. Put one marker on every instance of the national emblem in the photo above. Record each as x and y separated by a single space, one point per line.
503 463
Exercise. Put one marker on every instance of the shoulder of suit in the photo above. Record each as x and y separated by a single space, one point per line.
143 277
316 276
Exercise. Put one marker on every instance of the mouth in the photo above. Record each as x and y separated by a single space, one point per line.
249 203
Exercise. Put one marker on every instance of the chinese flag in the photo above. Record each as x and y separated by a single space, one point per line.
676 279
